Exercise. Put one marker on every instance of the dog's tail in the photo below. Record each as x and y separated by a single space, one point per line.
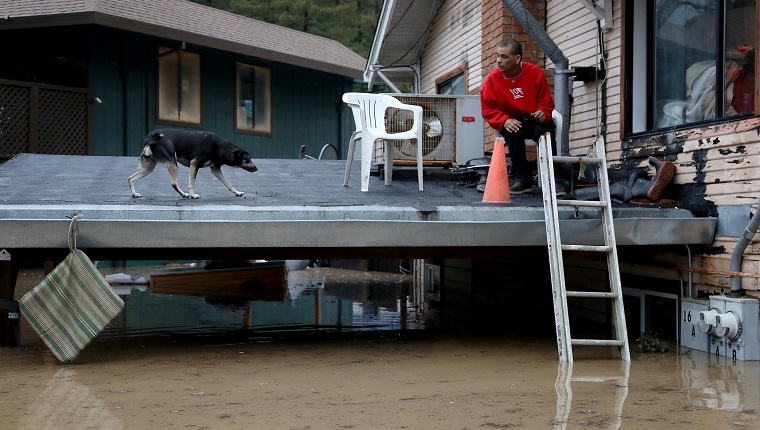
150 139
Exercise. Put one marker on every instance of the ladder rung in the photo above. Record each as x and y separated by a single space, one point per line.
595 378
597 342
591 248
593 294
584 160
582 203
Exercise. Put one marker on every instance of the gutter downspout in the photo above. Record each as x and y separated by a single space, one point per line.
741 245
562 71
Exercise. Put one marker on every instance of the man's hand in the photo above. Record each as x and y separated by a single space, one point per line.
539 116
512 125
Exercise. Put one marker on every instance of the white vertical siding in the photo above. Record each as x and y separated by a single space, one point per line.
454 39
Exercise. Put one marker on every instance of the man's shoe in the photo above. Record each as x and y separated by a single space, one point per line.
520 186
664 172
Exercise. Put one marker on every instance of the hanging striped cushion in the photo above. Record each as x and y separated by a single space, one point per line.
71 306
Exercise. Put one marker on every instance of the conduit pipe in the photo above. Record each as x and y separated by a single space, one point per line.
562 71
741 245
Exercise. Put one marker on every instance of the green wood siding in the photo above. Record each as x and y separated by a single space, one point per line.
306 105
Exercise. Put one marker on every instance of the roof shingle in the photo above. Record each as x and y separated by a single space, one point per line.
193 23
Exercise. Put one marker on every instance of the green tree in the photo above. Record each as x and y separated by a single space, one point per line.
350 22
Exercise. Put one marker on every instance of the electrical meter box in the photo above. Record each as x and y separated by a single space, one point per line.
691 336
736 327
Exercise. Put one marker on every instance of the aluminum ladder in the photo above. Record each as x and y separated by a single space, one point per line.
559 292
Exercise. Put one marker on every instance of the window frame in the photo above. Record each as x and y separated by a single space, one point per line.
266 131
449 76
640 109
163 52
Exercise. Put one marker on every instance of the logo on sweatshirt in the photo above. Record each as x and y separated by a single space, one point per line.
517 93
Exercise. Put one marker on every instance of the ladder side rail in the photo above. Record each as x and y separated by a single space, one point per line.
613 268
554 245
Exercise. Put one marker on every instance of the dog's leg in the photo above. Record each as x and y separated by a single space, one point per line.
193 174
173 179
219 175
146 166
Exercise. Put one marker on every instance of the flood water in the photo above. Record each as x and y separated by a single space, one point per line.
351 350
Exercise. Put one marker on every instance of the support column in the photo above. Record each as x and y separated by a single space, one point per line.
9 310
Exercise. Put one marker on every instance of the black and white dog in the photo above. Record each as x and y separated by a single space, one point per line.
193 149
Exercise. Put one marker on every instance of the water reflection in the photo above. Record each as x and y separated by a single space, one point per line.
716 382
317 299
446 377
597 379
67 404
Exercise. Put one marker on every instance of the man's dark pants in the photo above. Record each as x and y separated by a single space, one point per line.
515 143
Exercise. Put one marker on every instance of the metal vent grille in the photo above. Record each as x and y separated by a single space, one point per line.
438 131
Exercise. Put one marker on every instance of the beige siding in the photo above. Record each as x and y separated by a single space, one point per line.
574 29
726 159
454 40
722 160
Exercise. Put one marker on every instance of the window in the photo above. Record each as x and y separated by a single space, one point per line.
453 82
253 100
453 86
693 64
179 87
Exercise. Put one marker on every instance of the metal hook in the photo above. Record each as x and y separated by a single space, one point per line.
73 230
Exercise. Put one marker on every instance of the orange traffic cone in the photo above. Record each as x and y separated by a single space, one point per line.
497 183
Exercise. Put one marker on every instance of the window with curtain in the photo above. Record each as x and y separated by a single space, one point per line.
179 87
693 64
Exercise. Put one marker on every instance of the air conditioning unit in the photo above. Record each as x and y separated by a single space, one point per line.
452 128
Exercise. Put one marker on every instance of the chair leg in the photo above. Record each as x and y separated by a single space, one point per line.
419 163
367 148
350 157
388 146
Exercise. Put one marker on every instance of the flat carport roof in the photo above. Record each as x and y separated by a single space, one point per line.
292 209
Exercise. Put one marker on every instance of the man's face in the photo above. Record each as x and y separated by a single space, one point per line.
507 61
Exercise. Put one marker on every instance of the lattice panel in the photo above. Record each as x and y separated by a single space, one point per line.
14 119
63 122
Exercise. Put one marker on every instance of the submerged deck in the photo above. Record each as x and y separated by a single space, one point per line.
292 209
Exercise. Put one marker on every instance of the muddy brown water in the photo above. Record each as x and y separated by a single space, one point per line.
182 363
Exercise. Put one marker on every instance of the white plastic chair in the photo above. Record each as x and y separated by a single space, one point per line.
369 116
557 118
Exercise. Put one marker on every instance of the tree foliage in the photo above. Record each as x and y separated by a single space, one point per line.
350 22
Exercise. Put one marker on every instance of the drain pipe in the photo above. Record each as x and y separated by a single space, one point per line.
741 245
562 71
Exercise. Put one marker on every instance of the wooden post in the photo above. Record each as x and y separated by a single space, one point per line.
9 311
318 308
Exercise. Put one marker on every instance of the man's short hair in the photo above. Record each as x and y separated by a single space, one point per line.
514 46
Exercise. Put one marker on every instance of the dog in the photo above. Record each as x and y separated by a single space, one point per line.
193 149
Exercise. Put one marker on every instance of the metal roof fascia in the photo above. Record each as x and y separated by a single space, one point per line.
377 45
